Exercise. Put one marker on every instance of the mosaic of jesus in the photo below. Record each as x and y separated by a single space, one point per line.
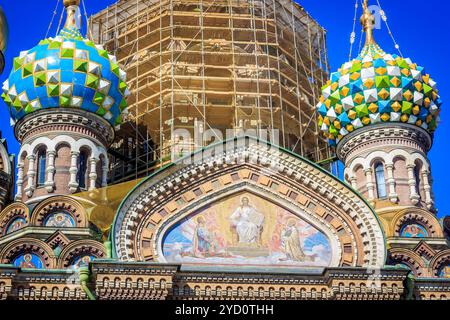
246 230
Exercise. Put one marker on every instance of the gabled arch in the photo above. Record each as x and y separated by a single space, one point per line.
235 163
28 245
55 203
410 258
441 259
414 214
79 248
13 211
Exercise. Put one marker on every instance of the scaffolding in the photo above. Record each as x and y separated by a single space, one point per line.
207 66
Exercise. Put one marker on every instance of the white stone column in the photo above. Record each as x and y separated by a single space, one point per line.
93 173
412 185
354 182
427 187
19 181
391 182
73 183
50 183
31 175
370 184
104 172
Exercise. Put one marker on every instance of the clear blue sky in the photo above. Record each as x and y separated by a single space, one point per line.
420 27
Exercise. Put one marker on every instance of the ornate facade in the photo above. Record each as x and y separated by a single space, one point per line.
242 218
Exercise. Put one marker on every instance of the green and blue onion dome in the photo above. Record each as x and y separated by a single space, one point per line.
374 88
67 71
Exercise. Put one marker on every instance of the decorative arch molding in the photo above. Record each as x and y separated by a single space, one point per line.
57 203
387 158
441 259
410 258
397 135
52 145
421 216
251 164
28 245
80 248
78 121
13 211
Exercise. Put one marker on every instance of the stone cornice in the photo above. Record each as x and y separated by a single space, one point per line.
131 280
391 134
63 120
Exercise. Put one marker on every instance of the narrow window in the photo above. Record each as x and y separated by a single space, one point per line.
82 166
417 177
41 166
380 180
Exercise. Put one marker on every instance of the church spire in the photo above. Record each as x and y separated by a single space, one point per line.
368 23
73 19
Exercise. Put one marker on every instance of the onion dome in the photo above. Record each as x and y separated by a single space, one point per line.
67 71
377 87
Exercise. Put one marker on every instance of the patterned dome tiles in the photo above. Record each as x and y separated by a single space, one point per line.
374 88
66 71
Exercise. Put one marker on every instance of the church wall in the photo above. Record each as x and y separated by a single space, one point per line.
361 181
25 178
62 166
401 181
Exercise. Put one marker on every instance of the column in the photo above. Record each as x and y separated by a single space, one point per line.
427 187
93 173
391 182
354 182
50 170
412 185
31 175
104 172
73 183
19 181
370 185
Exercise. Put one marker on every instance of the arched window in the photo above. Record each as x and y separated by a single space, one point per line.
82 167
417 170
380 180
41 166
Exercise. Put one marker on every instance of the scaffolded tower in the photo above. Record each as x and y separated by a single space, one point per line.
206 66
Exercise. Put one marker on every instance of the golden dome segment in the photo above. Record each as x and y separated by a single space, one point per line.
73 14
368 22
68 3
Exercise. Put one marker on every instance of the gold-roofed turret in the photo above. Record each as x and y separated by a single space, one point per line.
368 22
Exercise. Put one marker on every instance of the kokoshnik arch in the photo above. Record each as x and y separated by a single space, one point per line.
241 218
